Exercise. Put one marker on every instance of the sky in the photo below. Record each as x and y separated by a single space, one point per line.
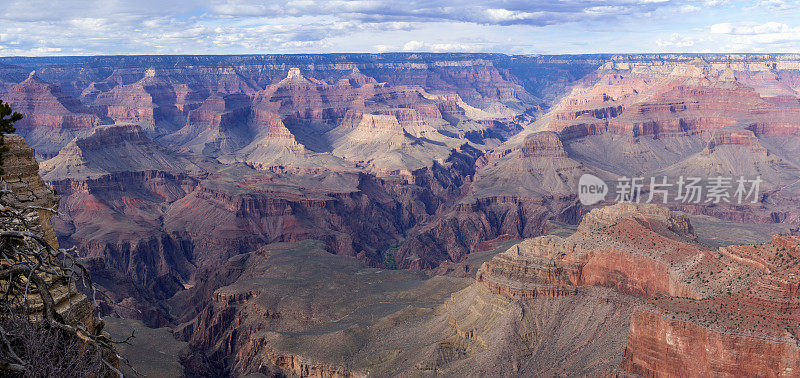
114 27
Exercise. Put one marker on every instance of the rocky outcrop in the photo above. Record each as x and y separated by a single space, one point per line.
707 312
51 117
543 145
749 330
22 173
19 164
150 100
736 138
661 346
113 149
608 250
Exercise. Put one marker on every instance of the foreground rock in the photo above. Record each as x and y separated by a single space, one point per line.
21 169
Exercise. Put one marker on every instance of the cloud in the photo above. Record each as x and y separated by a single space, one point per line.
773 5
762 37
418 46
505 16
688 8
493 12
36 27
675 40
715 3
746 28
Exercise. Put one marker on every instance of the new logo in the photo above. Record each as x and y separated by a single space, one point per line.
591 189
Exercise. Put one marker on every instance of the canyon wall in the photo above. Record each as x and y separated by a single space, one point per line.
169 166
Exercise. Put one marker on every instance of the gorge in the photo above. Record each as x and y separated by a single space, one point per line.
418 214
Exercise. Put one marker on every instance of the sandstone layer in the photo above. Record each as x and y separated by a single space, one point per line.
722 312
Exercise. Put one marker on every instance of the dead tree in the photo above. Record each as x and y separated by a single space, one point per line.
31 325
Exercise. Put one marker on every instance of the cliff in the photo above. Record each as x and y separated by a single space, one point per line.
22 170
635 249
702 312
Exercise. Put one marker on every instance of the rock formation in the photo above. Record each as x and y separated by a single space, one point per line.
22 171
52 118
702 311
170 167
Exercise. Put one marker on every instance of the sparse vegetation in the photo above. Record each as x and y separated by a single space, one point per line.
7 119
40 334
35 338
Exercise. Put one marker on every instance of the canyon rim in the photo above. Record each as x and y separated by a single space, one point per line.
477 189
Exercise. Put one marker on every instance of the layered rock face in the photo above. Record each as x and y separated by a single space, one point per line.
392 322
693 119
137 210
170 166
703 311
750 330
112 149
163 191
673 119
20 165
609 249
512 193
22 171
647 110
399 118
52 118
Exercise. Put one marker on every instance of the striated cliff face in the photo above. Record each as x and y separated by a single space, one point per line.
660 346
52 118
723 312
19 164
512 193
401 119
637 250
752 330
22 170
169 167
152 216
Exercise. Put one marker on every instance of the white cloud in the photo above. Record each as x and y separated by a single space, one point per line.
675 40
45 50
773 4
604 10
91 24
418 46
715 3
500 15
36 27
688 8
751 28
758 37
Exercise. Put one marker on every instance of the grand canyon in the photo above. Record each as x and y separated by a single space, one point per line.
418 214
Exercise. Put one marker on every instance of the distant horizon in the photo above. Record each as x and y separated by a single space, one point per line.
2 57
32 28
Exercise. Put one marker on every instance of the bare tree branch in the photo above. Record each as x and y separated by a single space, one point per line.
31 271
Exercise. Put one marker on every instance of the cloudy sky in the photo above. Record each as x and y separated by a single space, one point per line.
100 27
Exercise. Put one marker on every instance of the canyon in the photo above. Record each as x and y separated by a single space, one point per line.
286 214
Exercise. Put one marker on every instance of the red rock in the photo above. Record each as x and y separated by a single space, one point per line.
51 118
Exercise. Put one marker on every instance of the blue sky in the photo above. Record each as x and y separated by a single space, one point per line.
87 27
